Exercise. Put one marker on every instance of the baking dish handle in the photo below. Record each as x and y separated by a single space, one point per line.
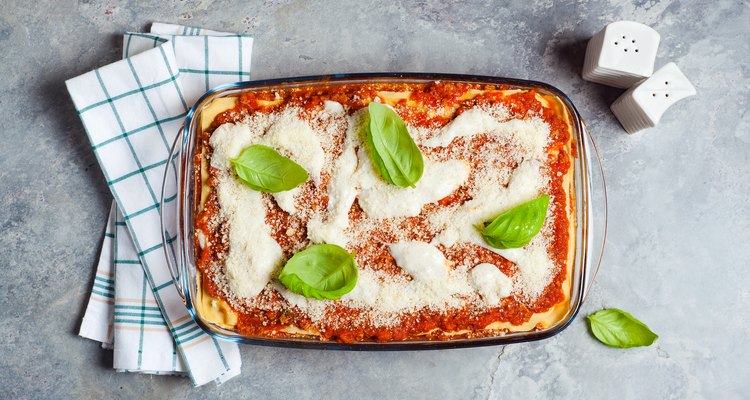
172 261
597 213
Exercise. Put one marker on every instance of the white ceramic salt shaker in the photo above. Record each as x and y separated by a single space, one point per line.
621 54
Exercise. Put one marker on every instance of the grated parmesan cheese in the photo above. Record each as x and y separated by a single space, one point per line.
254 256
296 139
469 123
286 133
530 135
329 228
379 199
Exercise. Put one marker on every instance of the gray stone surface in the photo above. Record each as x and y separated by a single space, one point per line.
679 224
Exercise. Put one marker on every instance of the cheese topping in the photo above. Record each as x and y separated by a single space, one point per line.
295 137
434 285
491 284
471 122
423 261
379 199
353 175
491 199
534 266
330 227
287 134
384 295
333 107
531 135
254 256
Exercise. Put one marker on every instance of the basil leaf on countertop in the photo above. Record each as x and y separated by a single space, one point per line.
517 226
393 152
323 271
617 328
265 170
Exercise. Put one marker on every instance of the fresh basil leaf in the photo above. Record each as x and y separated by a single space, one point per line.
323 271
617 328
393 152
265 170
377 162
517 226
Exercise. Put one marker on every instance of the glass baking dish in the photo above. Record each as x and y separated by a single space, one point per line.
590 199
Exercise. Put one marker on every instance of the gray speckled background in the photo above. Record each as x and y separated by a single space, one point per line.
679 212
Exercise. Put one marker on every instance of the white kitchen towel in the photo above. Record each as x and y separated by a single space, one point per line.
143 341
98 320
203 63
131 111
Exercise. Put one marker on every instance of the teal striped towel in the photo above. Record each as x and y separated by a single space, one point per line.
131 111
98 320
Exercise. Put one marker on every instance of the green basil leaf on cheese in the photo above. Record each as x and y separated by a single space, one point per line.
393 152
617 328
323 271
265 170
517 226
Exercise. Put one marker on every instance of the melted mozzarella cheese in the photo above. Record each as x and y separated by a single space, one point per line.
491 283
531 134
470 122
291 135
333 107
229 140
535 268
330 226
379 199
353 176
489 200
285 200
287 134
423 261
255 256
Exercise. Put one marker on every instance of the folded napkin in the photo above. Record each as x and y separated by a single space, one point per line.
143 341
132 110
98 320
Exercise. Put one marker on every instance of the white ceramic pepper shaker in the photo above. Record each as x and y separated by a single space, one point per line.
643 105
621 54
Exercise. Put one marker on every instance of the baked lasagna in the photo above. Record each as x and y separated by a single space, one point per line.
424 270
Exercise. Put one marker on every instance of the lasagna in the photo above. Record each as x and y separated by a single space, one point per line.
424 270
